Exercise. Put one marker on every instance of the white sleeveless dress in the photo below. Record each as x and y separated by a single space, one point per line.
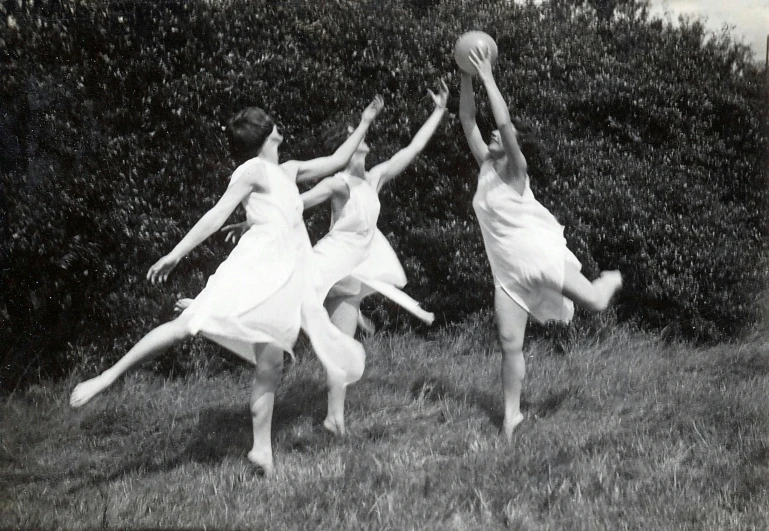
355 258
349 239
262 292
525 246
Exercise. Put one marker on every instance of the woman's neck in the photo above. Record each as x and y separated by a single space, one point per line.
357 166
269 156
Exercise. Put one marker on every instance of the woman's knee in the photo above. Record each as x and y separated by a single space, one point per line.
511 340
597 306
581 291
179 328
344 314
511 332
270 364
342 304
511 322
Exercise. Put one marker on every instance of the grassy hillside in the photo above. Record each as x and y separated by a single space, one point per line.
625 433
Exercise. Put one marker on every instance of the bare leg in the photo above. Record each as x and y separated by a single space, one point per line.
366 325
269 370
511 323
593 296
150 346
344 315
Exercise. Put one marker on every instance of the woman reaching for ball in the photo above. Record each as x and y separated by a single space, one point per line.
534 272
260 295
354 259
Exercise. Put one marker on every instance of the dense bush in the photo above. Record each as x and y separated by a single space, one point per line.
652 140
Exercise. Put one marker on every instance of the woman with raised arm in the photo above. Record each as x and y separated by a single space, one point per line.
262 293
534 272
355 259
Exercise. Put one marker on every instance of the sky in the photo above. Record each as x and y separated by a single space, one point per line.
749 19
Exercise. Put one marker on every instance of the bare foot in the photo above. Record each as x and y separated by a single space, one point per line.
334 426
609 283
613 279
263 460
85 391
509 426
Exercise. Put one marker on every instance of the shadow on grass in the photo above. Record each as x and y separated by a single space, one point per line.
215 434
435 389
218 433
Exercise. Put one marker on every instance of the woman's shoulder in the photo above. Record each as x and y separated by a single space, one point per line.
252 164
352 181
256 169
341 183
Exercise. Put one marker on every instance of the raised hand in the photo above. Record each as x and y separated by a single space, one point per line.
373 109
234 231
442 97
160 270
481 60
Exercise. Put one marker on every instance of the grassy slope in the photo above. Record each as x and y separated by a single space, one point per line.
626 433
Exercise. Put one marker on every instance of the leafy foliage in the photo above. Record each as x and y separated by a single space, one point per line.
653 149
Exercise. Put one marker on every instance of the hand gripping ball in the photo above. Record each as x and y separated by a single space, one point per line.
468 42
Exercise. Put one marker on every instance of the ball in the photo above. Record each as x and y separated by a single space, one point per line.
468 42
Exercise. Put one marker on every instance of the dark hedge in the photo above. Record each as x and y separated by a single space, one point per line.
652 153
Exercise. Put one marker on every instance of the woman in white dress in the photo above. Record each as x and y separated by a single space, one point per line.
534 272
355 259
262 293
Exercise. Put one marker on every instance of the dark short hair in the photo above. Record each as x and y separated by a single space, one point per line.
334 136
528 140
246 132
524 130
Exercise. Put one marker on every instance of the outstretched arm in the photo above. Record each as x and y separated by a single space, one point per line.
314 169
324 190
467 117
208 224
393 167
516 163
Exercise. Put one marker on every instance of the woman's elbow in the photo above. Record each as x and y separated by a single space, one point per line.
336 162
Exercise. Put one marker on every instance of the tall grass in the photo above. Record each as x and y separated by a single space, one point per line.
625 432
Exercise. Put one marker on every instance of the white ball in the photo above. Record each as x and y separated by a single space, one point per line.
468 42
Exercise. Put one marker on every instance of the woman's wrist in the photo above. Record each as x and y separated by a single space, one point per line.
176 254
487 78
